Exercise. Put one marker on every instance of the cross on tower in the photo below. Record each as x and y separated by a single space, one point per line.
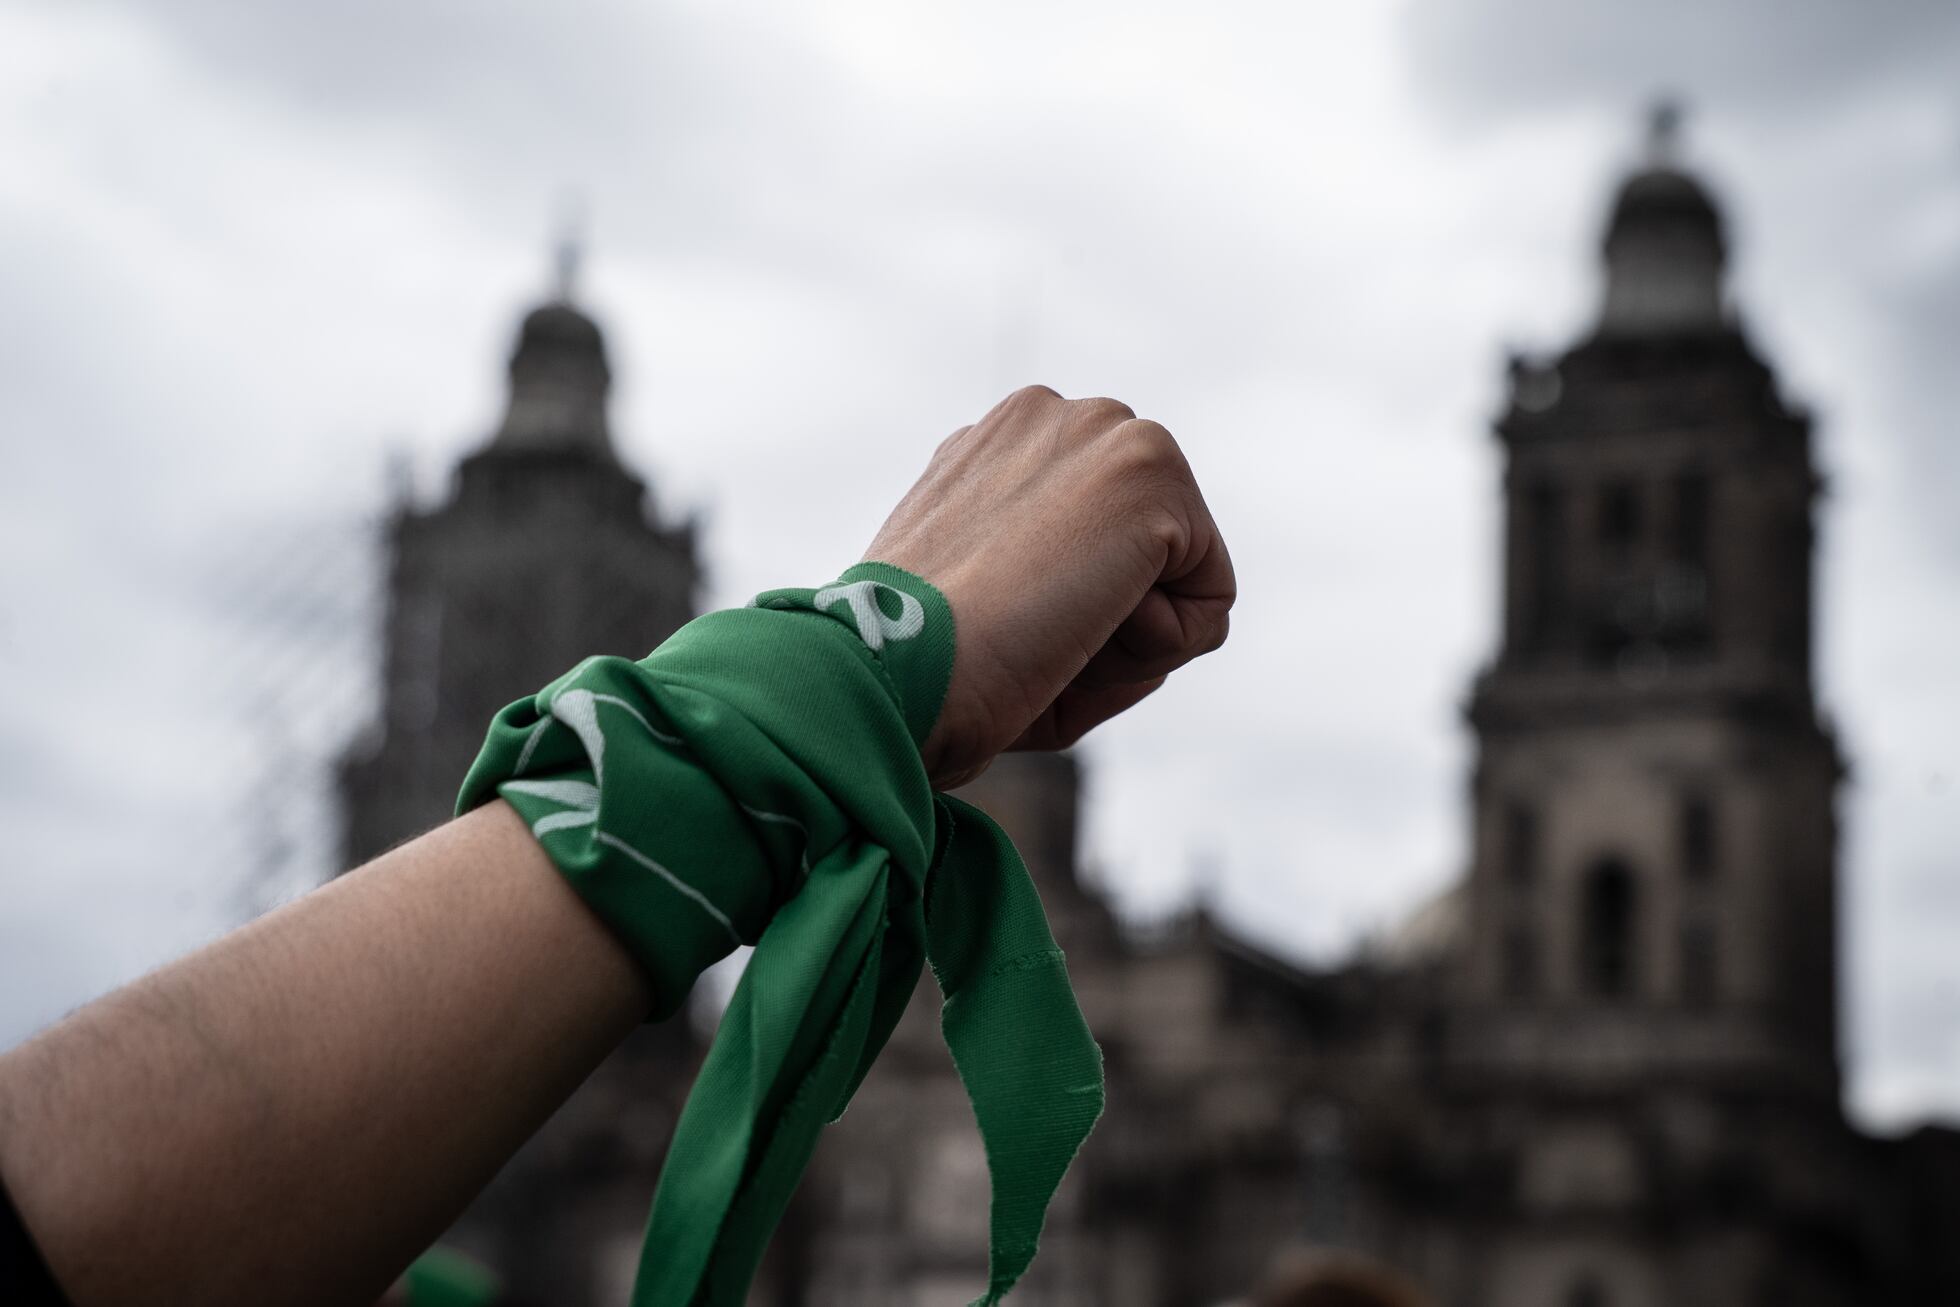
1664 130
570 250
565 261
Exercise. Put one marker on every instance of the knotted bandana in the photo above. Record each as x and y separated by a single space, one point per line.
757 780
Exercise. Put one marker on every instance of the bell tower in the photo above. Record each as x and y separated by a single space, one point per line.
546 550
1652 893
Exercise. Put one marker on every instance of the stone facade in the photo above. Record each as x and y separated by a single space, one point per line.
1602 1071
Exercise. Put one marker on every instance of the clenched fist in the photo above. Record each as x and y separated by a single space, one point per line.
1081 564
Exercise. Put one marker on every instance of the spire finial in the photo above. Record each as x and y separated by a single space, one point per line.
1664 130
569 251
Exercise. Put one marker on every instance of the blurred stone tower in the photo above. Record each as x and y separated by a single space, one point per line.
1654 867
546 550
1639 1048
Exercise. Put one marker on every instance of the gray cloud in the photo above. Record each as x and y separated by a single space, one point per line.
245 250
1788 64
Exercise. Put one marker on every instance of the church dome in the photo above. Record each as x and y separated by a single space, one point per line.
561 326
559 380
1663 202
1665 251
1662 195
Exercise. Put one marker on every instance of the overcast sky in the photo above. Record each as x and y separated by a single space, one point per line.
248 252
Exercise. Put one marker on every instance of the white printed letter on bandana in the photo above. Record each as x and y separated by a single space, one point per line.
873 626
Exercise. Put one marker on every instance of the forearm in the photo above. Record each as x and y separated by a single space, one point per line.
303 1106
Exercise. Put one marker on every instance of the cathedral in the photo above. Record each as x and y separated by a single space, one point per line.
1601 1071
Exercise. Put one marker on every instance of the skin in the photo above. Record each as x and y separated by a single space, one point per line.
294 1112
1081 564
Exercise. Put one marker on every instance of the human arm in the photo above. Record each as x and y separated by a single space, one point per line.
297 1109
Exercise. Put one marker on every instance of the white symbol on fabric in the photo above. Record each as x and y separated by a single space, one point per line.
873 626
579 710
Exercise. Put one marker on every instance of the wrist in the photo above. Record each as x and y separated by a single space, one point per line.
906 624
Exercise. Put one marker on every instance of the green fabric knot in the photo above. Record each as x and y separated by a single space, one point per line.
757 779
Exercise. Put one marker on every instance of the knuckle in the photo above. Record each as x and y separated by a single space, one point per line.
1104 410
1153 437
1145 448
1034 394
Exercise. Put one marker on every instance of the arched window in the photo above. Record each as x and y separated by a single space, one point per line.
1691 520
1696 825
1619 519
1520 851
1544 544
1700 972
1606 929
1684 585
1520 961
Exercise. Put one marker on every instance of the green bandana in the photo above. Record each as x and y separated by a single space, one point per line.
757 780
